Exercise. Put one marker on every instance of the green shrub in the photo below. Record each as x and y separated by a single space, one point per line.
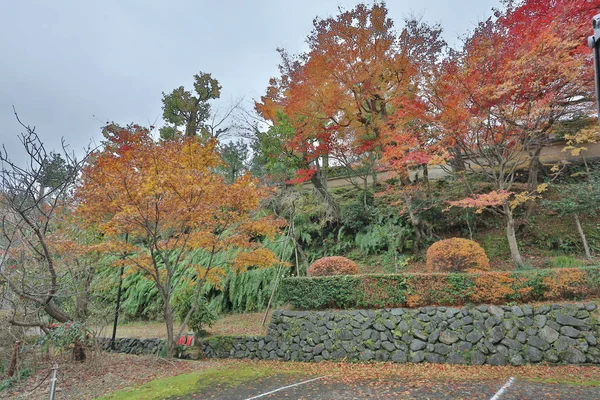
354 216
202 316
452 289
321 292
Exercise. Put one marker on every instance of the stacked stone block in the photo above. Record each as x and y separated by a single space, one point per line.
496 335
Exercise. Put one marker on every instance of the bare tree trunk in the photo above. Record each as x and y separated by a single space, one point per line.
298 252
331 203
532 178
191 126
587 167
82 298
511 236
53 311
168 313
457 161
12 366
586 248
325 171
415 220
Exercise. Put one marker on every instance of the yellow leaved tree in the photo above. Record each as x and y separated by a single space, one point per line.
167 198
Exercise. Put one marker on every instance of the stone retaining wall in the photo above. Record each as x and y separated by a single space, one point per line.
133 345
496 335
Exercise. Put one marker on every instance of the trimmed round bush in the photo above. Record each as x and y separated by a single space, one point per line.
336 265
456 255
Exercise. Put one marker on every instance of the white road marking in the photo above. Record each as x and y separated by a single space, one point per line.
285 387
503 389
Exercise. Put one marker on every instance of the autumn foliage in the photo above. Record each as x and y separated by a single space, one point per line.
168 200
456 255
442 289
336 265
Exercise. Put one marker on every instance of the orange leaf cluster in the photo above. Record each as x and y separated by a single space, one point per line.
492 289
167 197
563 283
335 265
456 255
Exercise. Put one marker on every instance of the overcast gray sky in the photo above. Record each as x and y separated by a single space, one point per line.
70 65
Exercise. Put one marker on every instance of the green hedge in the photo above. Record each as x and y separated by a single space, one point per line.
416 290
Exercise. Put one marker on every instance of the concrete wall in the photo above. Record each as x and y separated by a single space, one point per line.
550 154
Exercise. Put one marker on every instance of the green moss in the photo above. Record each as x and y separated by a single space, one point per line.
370 344
188 383
564 382
222 343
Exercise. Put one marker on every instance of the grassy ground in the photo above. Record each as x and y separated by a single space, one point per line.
226 375
231 324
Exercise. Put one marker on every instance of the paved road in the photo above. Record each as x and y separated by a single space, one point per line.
327 388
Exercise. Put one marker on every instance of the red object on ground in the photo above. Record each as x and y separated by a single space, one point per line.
185 340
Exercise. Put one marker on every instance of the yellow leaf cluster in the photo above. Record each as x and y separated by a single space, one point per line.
576 141
522 198
168 198
260 257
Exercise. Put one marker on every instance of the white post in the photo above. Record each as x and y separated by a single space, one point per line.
53 382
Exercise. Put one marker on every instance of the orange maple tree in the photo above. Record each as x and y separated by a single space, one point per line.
358 79
168 199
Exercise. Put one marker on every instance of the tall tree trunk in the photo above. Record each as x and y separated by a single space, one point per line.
298 252
12 366
457 161
82 298
586 248
331 203
511 236
415 220
532 177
